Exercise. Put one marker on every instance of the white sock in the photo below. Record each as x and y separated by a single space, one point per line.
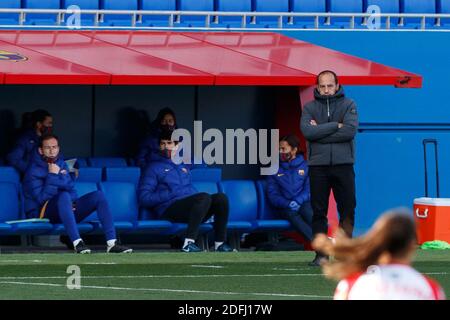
111 243
76 242
217 244
187 241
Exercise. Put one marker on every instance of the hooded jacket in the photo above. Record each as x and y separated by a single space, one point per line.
40 186
163 183
329 145
23 151
291 183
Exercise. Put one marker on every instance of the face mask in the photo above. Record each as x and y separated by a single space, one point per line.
167 127
284 157
166 153
50 160
46 130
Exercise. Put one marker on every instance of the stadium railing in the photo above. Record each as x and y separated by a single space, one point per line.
211 20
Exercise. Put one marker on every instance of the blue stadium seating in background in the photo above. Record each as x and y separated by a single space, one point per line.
9 18
157 20
243 202
386 6
128 174
83 188
233 6
301 6
118 20
122 200
206 174
41 19
86 19
110 162
339 6
11 206
267 219
418 6
270 6
194 5
443 6
89 175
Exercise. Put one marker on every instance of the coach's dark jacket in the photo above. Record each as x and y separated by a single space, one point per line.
327 144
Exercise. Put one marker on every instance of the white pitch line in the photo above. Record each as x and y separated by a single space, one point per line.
174 276
172 290
206 266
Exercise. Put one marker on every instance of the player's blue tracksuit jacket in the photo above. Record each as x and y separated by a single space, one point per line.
291 183
164 182
40 186
23 151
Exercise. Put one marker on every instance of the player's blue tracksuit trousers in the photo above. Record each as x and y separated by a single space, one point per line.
61 210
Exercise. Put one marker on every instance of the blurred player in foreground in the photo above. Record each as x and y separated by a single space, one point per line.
377 266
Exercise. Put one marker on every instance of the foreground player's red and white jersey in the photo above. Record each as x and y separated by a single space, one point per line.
389 282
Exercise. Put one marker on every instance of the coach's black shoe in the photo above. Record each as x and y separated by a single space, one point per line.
225 248
118 248
81 248
318 260
66 241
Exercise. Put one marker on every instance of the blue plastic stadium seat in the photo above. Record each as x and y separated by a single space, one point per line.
9 18
386 6
86 19
418 6
81 163
268 219
118 19
304 6
89 175
160 5
243 203
128 174
83 188
206 174
233 6
9 174
270 6
347 6
443 6
10 210
122 200
111 162
195 5
208 187
41 18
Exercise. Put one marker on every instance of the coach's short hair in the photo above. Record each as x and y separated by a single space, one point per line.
336 79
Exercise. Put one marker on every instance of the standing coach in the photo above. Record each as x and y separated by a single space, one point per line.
329 124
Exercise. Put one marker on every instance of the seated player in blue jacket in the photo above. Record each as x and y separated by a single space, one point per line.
49 192
149 148
166 189
28 141
288 190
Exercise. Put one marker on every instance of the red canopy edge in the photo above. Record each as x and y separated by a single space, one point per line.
180 58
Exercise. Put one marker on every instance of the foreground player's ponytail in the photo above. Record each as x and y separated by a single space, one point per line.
393 234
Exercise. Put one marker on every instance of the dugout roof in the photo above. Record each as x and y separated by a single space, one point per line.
180 58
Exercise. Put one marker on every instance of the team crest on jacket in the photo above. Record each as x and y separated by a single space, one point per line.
301 172
11 56
184 170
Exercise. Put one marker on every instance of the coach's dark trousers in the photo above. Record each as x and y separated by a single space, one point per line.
340 179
